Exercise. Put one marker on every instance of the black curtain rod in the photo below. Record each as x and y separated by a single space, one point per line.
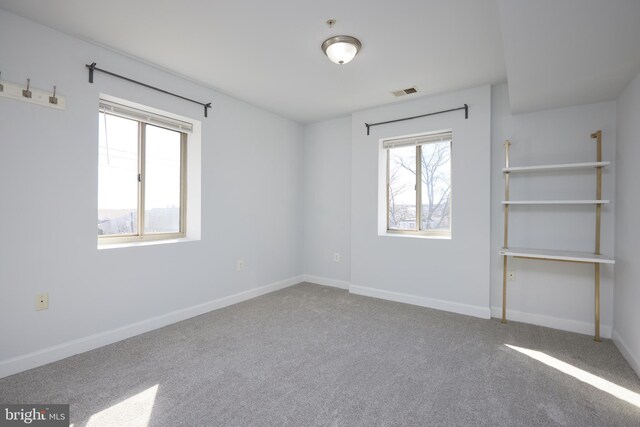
465 108
93 68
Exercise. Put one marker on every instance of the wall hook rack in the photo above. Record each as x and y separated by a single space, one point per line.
31 95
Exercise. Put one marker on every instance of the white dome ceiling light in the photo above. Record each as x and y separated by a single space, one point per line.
341 49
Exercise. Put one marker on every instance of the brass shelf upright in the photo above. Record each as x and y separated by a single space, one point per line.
598 137
507 145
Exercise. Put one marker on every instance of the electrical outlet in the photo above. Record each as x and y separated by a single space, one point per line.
336 257
240 265
511 275
42 301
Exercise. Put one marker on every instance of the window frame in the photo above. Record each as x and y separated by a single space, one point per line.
418 188
141 236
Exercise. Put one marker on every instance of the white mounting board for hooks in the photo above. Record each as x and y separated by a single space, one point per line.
39 97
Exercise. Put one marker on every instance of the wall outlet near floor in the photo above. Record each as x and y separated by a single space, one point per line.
42 301
511 275
240 265
336 257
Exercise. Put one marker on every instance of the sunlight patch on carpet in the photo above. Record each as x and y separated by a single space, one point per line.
582 375
132 412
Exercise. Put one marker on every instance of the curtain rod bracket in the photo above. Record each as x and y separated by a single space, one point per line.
91 68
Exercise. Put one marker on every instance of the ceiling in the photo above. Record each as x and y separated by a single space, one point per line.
562 53
268 53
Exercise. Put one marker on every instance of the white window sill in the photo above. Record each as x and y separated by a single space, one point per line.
415 236
117 245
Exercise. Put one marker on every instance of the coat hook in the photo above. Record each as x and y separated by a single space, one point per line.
26 92
53 99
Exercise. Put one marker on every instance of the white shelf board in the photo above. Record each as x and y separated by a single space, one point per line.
563 166
557 255
555 202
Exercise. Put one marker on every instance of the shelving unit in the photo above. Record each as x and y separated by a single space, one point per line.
595 258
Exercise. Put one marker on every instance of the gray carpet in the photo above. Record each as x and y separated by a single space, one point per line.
313 355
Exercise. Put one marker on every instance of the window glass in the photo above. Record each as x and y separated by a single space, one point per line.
117 176
141 170
436 186
402 192
419 184
163 183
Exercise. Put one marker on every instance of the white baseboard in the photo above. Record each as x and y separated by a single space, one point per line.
70 348
454 307
569 325
342 284
626 352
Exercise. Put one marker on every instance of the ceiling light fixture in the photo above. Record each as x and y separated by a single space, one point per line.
341 49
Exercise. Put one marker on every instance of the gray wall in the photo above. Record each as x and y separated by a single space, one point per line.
327 201
251 201
450 274
627 289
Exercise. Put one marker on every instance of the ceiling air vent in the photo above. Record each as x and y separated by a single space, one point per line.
407 91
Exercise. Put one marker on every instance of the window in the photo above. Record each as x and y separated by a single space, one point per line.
419 184
141 174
